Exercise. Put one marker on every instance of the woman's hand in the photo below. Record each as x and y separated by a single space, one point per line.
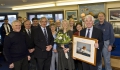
66 50
62 45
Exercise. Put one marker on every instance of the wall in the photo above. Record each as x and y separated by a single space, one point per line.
74 7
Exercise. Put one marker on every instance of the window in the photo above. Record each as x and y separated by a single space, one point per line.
59 17
48 16
56 15
30 17
11 18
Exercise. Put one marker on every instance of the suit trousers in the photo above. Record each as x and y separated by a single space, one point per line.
78 65
32 63
54 59
87 66
106 56
44 63
21 64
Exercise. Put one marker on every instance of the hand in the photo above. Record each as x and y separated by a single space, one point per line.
96 45
109 48
11 65
55 51
62 46
74 58
48 48
66 50
29 58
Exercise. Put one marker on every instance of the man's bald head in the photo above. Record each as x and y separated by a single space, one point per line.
58 23
83 16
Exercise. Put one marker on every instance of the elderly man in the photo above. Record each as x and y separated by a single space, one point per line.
29 39
15 48
92 32
108 37
43 40
83 18
58 24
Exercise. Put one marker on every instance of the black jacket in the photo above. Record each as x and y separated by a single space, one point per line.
29 39
40 42
3 32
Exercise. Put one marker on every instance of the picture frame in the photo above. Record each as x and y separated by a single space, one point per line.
84 50
114 14
116 29
71 14
91 9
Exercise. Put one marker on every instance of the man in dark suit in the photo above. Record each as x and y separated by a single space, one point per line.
43 40
5 29
92 32
29 40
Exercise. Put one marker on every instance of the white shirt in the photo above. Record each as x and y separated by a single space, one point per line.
91 30
27 30
43 30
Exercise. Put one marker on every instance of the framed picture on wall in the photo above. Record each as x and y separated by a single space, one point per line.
92 9
71 14
84 50
116 28
114 14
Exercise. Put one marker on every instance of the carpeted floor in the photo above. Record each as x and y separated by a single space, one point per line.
5 65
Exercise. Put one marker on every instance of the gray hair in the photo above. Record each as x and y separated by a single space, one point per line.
43 18
16 21
89 16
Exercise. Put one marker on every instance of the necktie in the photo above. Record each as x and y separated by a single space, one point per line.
29 33
7 29
45 33
88 33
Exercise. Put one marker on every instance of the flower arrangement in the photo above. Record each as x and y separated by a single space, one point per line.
62 38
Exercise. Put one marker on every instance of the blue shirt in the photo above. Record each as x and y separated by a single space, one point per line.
54 46
108 33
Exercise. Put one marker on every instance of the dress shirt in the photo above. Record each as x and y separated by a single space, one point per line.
91 30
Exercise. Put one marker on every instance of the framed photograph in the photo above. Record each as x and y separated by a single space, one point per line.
114 14
71 14
92 9
116 28
84 50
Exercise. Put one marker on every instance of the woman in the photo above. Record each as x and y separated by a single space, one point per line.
78 28
54 53
72 25
78 64
65 63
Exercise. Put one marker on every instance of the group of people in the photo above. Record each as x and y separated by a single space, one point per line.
31 45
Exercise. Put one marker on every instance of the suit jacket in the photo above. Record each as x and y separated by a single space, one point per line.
40 42
29 39
97 34
3 32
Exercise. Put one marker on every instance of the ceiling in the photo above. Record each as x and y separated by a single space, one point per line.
5 4
11 3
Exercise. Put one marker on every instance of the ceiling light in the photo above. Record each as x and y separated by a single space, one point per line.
33 6
63 3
